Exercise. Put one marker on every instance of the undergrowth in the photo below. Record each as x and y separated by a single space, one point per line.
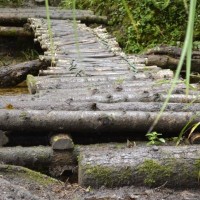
156 23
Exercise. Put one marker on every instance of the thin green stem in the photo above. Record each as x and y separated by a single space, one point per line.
187 44
49 30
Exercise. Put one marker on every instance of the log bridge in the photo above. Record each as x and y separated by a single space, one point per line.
91 87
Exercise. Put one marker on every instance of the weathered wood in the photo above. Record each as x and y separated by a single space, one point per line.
62 105
93 121
22 183
3 138
39 158
61 141
22 14
14 74
175 167
165 61
15 31
171 51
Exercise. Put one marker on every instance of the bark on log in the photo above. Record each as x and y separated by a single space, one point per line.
165 61
15 31
21 183
21 15
14 74
174 167
170 51
39 158
93 121
168 57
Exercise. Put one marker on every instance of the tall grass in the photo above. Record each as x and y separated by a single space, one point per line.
186 53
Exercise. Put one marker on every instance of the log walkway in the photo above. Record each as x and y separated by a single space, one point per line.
92 86
100 87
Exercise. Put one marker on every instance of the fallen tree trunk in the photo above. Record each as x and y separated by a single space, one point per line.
14 74
168 57
174 167
15 31
170 51
93 121
40 158
165 61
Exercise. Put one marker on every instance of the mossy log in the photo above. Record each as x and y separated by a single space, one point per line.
18 182
93 121
15 31
40 158
168 57
174 167
14 74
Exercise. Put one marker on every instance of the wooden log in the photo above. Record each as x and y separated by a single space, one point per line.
174 167
3 138
15 31
39 158
62 105
172 51
22 183
61 141
21 15
14 74
93 121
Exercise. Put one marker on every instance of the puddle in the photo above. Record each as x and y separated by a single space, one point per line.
14 50
17 90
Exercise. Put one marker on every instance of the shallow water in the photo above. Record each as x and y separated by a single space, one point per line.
17 90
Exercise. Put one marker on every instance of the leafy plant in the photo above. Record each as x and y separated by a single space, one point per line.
154 138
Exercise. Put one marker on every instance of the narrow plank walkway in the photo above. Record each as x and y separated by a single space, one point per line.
92 85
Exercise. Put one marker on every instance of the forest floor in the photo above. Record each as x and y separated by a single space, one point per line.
19 188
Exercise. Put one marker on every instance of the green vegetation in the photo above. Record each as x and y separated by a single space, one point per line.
152 22
11 2
107 176
154 172
154 138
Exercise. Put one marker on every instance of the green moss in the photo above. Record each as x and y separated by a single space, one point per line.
39 178
108 176
197 169
27 174
154 172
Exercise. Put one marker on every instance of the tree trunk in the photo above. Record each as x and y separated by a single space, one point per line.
15 31
40 158
14 74
168 57
94 121
174 167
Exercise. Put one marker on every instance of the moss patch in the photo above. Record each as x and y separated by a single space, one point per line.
154 172
107 176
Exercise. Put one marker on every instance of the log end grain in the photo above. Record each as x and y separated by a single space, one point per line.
61 142
31 83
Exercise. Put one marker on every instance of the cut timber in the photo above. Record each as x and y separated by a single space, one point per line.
20 15
93 121
15 31
39 158
168 57
3 138
171 51
175 167
61 142
14 74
